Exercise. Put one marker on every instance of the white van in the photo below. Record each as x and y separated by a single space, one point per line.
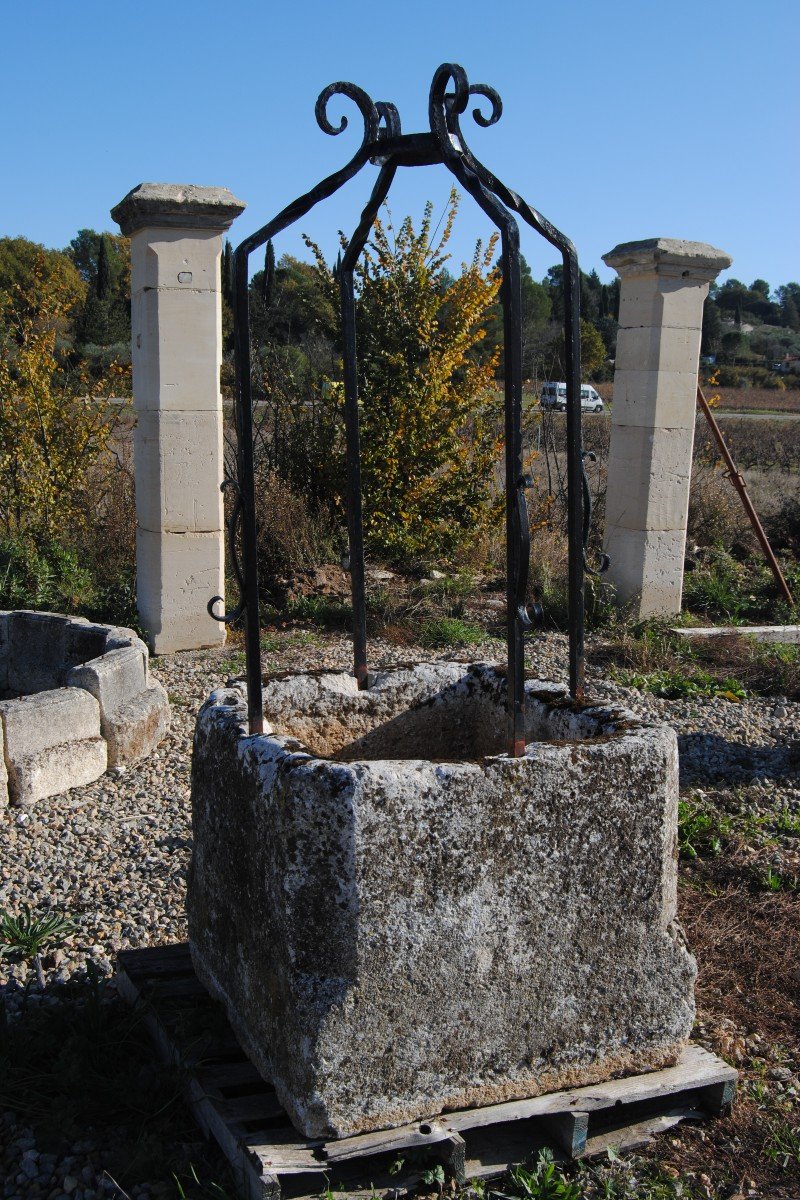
554 396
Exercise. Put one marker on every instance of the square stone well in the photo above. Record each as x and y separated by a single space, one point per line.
400 919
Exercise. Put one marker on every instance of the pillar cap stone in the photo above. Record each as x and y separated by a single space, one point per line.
177 205
668 256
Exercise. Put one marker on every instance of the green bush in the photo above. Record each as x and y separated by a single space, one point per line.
43 575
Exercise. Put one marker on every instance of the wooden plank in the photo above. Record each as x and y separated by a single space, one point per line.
231 1074
407 1137
155 958
172 988
492 1149
290 1158
586 1120
568 1130
696 1068
640 1133
255 1183
718 1098
452 1150
262 1107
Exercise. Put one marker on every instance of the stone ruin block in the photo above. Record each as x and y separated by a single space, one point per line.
51 742
56 674
400 919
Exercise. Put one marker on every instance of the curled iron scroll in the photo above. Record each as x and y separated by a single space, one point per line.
231 525
522 541
445 107
605 561
381 119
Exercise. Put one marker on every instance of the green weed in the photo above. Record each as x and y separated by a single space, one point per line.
320 610
543 1182
439 632
28 935
773 880
699 831
275 643
434 1176
783 1143
678 685
200 1190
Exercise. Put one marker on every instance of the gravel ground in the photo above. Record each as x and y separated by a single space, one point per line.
114 855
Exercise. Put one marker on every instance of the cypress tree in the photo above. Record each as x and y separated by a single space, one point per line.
103 282
226 273
268 292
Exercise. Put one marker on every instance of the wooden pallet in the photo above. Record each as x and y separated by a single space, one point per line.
233 1104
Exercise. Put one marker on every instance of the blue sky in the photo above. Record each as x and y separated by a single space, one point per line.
622 120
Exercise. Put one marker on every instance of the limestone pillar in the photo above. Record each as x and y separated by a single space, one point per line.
664 282
176 315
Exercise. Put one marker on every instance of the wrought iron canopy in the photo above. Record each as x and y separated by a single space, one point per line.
385 146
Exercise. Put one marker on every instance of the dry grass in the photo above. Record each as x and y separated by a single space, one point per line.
755 399
733 399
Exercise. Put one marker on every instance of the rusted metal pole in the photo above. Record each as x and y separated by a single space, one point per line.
738 482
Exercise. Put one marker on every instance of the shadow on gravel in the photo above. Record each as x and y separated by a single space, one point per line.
82 1095
707 757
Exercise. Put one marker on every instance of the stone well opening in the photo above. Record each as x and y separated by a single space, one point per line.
441 712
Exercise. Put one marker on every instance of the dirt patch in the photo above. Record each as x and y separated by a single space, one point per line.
748 999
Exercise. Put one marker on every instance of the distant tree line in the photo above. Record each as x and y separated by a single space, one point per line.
93 278
753 333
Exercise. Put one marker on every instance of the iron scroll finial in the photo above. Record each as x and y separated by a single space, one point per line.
359 97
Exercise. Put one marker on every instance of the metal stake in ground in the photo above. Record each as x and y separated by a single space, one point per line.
737 479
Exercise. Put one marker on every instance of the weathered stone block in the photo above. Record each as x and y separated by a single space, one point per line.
3 772
55 770
177 348
656 399
657 349
400 919
113 679
38 722
85 640
173 451
656 464
648 568
5 648
176 258
178 573
136 727
653 300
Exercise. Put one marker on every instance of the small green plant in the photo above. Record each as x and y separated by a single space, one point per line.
320 610
211 1191
28 935
772 880
43 574
543 1182
783 1143
275 643
434 1176
439 632
698 831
